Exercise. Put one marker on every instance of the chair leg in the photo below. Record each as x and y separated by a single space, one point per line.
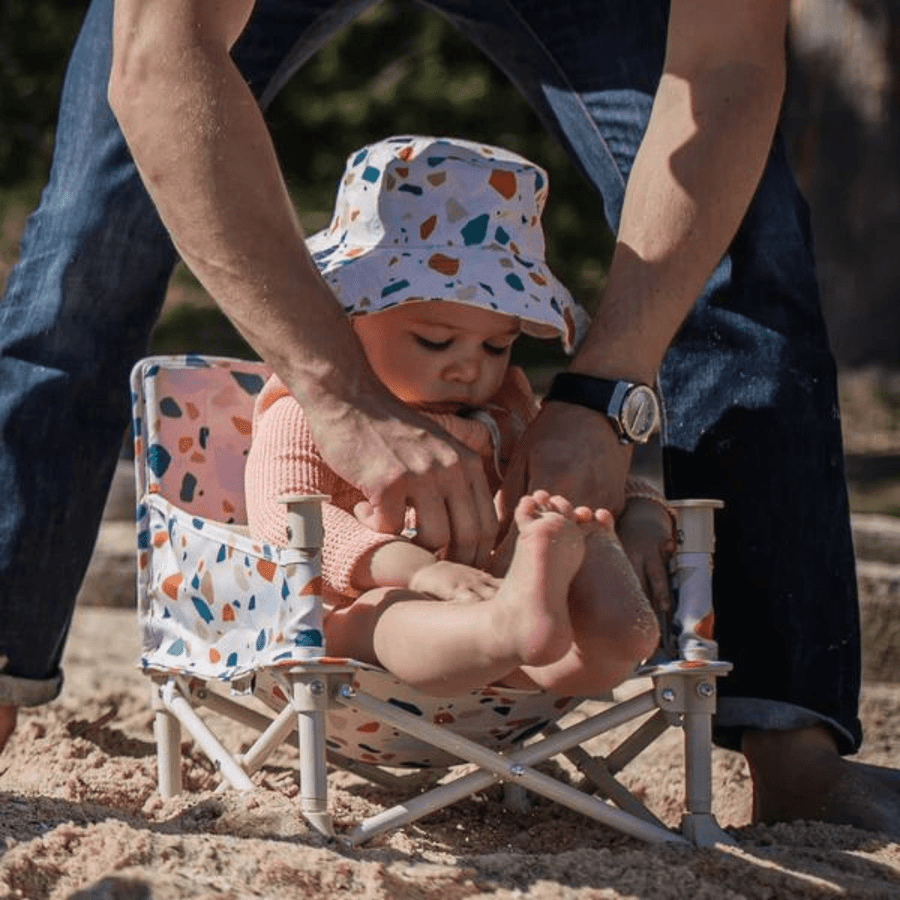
694 696
175 699
699 825
309 693
515 797
167 731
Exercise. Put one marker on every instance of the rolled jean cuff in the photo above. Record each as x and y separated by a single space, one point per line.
15 691
734 714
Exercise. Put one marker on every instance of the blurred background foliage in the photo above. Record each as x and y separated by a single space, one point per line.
35 38
398 69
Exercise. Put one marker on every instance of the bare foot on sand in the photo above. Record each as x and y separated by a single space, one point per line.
8 716
549 549
799 774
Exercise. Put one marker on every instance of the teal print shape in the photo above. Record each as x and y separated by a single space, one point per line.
202 609
475 230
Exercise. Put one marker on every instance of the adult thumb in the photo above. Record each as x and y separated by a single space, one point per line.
380 518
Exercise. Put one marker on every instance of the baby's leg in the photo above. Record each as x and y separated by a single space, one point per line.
445 648
613 625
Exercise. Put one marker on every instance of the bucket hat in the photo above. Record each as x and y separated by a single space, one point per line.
423 218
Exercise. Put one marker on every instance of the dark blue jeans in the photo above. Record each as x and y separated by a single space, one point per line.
749 384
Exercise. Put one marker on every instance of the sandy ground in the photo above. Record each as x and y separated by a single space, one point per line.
80 818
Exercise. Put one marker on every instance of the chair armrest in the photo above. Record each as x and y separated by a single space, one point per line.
304 519
692 578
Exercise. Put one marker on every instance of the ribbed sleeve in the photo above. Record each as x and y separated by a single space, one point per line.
284 460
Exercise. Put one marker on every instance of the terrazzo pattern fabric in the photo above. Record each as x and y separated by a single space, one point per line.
419 218
212 602
494 717
221 605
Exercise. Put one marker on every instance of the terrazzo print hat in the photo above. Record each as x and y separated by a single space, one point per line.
422 218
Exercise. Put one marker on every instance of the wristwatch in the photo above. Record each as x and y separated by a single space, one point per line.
633 409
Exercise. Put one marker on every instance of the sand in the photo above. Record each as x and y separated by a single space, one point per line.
80 818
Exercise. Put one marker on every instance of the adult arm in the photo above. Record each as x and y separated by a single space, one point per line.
203 150
703 153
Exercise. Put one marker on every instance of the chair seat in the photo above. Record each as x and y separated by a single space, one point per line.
496 717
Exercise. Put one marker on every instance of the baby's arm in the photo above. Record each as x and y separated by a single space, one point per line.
404 564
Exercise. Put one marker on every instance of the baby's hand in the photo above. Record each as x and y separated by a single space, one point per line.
454 582
645 530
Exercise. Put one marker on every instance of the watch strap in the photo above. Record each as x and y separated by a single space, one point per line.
603 395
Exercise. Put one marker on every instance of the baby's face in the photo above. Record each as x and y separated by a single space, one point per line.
439 356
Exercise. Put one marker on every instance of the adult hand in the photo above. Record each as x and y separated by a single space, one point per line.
399 459
568 450
647 535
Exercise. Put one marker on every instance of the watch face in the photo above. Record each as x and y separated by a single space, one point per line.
640 414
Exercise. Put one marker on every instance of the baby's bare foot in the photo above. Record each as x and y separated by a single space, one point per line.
549 549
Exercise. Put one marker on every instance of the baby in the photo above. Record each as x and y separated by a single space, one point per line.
436 252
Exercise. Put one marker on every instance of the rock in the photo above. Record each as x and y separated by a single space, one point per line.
879 613
876 538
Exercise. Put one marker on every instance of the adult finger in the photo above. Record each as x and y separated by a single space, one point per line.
432 521
473 522
389 517
514 487
658 587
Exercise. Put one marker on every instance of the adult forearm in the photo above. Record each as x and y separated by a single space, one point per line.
692 180
195 132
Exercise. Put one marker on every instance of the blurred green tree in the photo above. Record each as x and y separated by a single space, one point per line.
35 39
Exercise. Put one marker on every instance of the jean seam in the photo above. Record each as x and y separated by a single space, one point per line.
289 65
571 89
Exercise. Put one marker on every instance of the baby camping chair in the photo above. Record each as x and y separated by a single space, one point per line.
218 609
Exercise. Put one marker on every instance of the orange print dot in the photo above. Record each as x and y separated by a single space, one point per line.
266 568
503 182
427 227
242 425
170 585
705 627
312 588
446 265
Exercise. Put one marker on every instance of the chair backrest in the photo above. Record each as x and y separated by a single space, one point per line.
192 424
